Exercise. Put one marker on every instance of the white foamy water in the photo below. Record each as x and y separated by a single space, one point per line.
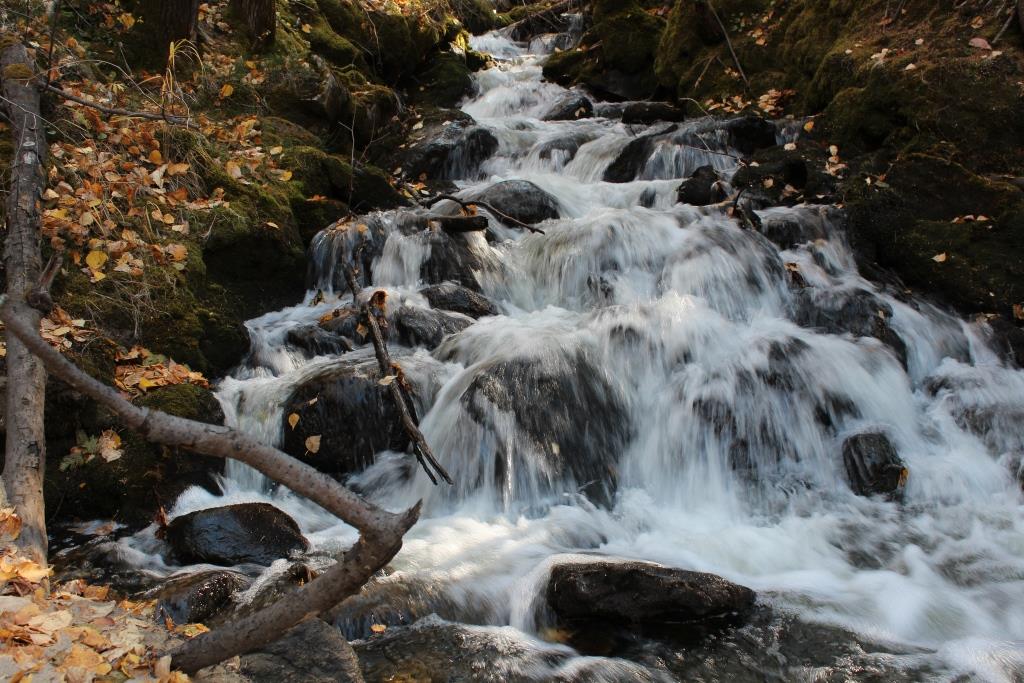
714 420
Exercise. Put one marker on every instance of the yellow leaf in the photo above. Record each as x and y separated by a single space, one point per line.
940 258
178 252
293 420
313 444
226 90
177 169
145 383
233 169
286 176
378 628
156 157
274 151
306 28
386 381
86 658
96 259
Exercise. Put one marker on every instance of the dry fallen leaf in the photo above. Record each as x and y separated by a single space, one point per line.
980 43
293 420
313 444
940 258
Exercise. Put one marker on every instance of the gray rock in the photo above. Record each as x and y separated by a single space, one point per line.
521 200
194 598
312 652
426 327
872 465
626 593
571 107
256 533
701 188
449 296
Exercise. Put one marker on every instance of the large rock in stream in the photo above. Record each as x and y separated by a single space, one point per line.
562 420
194 598
256 533
449 296
635 593
521 200
872 465
312 652
450 145
351 413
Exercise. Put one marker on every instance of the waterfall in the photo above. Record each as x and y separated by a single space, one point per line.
654 386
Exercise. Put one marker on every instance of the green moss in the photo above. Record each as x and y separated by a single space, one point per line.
445 82
333 47
332 176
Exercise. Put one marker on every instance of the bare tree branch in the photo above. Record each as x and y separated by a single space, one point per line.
114 111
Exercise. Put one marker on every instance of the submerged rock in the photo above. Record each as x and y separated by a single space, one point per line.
569 424
449 296
570 107
521 200
350 412
426 327
312 652
256 533
703 187
633 593
194 598
630 162
857 312
872 465
450 260
317 341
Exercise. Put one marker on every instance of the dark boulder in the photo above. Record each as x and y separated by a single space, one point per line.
750 133
789 176
317 341
570 107
256 533
566 146
789 232
194 598
449 296
857 312
427 327
631 160
872 465
1008 340
450 260
312 652
447 149
521 200
652 112
570 424
351 413
635 593
703 187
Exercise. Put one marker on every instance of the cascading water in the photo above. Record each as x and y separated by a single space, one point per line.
645 391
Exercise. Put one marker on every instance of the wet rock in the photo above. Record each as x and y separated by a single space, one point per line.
436 650
634 593
789 232
570 424
652 112
857 312
750 133
789 176
1008 340
255 533
703 187
273 587
872 465
449 296
448 149
312 652
194 598
445 81
426 327
566 146
317 341
351 413
571 107
630 162
521 200
399 602
450 260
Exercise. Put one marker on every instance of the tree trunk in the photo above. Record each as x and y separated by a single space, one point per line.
260 20
168 21
26 378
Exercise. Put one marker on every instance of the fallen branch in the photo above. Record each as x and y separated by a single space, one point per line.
381 531
457 224
467 205
114 111
401 399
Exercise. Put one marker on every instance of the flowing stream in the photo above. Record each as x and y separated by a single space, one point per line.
694 423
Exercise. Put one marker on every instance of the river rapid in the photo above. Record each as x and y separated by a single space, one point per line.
708 423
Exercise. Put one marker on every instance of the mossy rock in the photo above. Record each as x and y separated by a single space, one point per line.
476 15
330 175
908 227
445 82
146 477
